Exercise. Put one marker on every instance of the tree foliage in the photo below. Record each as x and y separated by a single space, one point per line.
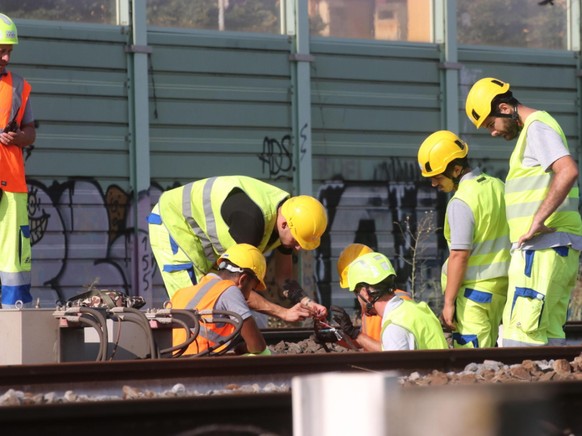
239 15
512 23
86 11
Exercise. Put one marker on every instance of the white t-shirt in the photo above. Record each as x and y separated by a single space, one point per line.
395 337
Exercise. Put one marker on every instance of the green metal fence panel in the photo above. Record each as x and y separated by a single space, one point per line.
222 103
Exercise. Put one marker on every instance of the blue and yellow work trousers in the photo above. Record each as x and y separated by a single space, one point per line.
176 267
478 311
15 251
540 286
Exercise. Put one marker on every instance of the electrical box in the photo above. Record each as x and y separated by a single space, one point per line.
125 341
28 336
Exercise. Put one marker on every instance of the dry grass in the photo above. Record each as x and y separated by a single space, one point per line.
575 307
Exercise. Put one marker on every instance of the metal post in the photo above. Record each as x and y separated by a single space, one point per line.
134 12
295 23
451 68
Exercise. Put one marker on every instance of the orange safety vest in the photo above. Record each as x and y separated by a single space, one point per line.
202 297
14 93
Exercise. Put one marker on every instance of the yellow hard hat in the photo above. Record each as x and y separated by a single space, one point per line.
246 257
369 268
480 97
347 256
307 220
8 34
439 150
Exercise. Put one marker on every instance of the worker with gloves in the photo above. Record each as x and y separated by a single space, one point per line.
406 325
193 225
241 270
542 207
474 277
17 131
368 336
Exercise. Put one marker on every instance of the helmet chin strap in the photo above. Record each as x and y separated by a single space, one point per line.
456 180
514 115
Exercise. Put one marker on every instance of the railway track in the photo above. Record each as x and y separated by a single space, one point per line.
267 411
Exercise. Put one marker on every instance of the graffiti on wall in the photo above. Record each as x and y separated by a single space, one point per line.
276 156
83 234
385 216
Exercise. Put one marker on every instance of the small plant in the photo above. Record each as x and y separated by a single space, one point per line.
575 306
416 238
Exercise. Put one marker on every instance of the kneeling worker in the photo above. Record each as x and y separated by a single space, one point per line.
406 325
368 336
240 270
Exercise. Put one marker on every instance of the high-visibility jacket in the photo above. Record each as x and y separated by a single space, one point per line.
527 187
191 213
420 320
202 297
14 93
372 325
490 254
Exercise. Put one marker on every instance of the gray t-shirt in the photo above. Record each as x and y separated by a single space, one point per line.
232 300
543 147
461 219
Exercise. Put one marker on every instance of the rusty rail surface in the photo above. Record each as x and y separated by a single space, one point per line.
260 412
265 367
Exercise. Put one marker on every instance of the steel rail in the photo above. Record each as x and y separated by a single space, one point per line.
267 368
270 412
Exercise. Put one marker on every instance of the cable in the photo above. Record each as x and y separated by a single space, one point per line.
137 317
225 343
83 315
183 346
192 331
101 355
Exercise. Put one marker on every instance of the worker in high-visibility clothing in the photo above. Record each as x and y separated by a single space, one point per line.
192 225
241 269
16 132
542 200
474 277
368 335
406 324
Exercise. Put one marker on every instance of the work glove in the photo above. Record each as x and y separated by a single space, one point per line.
341 317
326 336
293 291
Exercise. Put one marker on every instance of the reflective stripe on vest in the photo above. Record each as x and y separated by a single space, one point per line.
14 93
421 321
203 298
205 240
15 287
527 187
490 254
194 210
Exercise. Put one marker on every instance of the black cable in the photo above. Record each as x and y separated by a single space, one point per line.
193 330
146 324
226 342
137 317
118 337
91 323
102 329
183 346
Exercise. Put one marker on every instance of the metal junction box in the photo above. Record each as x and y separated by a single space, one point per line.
28 336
